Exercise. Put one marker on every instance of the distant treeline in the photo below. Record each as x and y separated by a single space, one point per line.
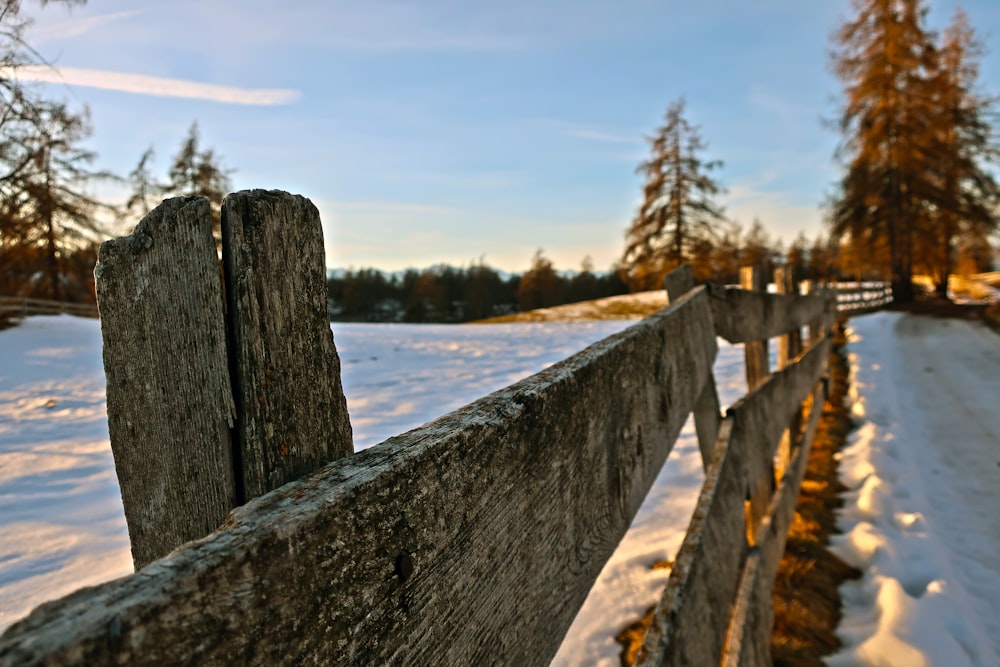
449 294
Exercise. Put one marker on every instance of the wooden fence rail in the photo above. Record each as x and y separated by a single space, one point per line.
19 306
471 540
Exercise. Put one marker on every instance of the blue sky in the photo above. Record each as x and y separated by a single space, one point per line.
445 131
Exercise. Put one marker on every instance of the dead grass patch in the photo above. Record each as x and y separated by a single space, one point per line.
806 600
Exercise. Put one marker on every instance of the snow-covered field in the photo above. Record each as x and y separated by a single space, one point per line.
921 519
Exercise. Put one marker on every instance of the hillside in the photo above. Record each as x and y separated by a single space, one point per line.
624 307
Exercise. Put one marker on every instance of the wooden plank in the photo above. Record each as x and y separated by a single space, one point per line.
752 278
689 624
707 417
291 411
742 316
759 418
471 540
679 282
169 404
748 638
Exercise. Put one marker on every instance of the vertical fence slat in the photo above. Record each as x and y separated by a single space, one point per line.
789 347
754 279
678 282
755 352
160 296
291 411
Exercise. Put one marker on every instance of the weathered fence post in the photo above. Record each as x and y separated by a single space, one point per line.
753 278
170 405
707 416
216 396
290 406
789 347
755 353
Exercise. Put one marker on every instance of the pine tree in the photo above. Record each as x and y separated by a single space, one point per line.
885 60
678 206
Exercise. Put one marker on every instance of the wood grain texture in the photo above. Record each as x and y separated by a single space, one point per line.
742 316
748 640
679 282
689 624
471 540
169 401
291 411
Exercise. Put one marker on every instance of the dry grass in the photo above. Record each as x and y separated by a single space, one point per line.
806 600
623 307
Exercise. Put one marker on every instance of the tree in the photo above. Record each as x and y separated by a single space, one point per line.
678 207
49 193
146 190
965 205
198 172
540 286
885 60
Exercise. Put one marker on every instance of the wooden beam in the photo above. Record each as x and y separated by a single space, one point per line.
689 624
748 640
742 316
471 540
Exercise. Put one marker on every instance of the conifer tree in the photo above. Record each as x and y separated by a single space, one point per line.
198 172
965 205
678 207
885 61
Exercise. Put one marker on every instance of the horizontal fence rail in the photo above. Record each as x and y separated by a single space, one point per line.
475 538
859 298
19 306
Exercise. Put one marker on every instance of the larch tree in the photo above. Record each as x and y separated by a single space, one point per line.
678 207
965 204
885 58
51 193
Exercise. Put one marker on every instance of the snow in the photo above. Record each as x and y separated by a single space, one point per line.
921 519
922 469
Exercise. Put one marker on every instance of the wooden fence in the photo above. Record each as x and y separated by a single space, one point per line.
20 307
473 539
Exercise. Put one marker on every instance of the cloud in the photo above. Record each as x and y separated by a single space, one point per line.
78 27
142 84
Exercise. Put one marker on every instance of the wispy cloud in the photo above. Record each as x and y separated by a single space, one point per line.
80 26
142 84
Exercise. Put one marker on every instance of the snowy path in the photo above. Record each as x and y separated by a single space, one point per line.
922 520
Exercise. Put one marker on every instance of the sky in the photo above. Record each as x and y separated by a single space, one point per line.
446 131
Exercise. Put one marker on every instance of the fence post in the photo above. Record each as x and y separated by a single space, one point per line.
707 415
216 396
170 405
753 278
789 347
290 406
